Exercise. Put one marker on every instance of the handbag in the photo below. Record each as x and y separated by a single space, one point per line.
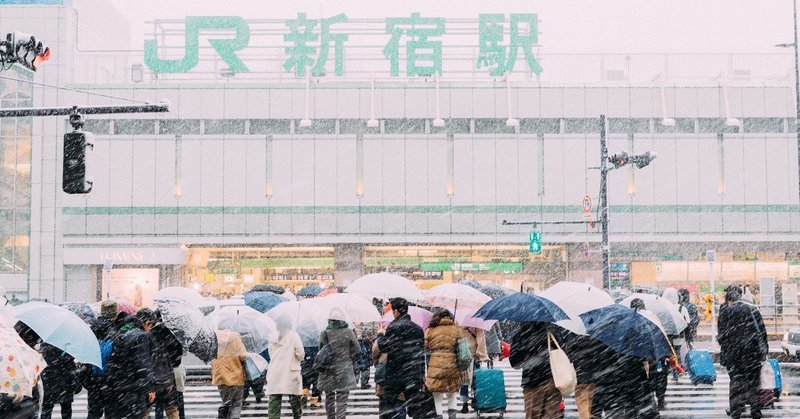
251 369
768 381
421 404
562 369
380 373
324 358
464 354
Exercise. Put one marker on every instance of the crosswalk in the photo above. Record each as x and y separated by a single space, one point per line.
683 399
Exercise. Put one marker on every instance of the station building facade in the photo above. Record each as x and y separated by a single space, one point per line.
277 176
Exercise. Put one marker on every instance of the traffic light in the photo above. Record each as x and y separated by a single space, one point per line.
535 242
76 178
24 49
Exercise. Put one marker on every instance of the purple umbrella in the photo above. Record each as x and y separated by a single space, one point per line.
419 316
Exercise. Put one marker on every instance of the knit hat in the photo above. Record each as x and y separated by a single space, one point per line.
108 309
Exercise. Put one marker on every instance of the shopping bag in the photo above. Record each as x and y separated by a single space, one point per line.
562 369
767 376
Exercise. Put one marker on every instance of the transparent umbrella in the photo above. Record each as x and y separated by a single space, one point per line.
577 297
305 317
385 285
190 327
255 328
668 314
356 308
455 296
181 293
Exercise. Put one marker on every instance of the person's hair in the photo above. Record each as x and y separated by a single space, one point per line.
147 315
683 295
733 295
440 314
637 304
400 304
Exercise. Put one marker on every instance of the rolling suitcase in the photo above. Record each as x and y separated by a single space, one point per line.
700 367
490 392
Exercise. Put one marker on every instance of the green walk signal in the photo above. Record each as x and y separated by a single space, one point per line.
535 242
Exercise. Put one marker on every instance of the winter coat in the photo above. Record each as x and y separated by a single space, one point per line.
166 355
345 352
59 377
584 352
378 358
283 375
477 343
742 337
493 340
101 327
130 367
623 389
443 373
403 344
530 353
228 368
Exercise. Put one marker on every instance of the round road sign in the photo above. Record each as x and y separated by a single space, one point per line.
586 203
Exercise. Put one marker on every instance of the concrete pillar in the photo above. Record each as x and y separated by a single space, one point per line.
348 263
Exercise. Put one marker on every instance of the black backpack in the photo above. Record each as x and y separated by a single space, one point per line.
324 358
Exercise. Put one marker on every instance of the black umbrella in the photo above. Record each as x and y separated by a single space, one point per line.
309 291
496 291
267 288
473 284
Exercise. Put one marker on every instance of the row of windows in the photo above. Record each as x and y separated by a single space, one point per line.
425 126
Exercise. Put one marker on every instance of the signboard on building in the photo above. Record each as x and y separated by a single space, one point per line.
123 256
411 45
469 267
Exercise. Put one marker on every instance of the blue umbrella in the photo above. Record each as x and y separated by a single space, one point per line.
309 291
626 331
520 307
262 301
496 291
62 329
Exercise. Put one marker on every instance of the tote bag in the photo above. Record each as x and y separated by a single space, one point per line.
562 369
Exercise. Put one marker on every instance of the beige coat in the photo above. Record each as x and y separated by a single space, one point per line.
228 368
443 373
283 375
477 343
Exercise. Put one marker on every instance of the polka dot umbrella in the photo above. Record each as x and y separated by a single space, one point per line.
20 364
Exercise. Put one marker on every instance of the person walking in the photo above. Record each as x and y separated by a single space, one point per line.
166 352
444 377
93 379
529 352
584 352
476 338
129 373
690 309
338 379
403 344
743 345
60 381
283 375
365 333
227 373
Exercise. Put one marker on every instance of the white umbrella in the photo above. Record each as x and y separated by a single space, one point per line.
672 320
456 296
385 285
289 296
305 317
355 307
7 317
255 328
576 298
181 293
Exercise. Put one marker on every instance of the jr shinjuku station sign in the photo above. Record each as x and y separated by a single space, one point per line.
309 44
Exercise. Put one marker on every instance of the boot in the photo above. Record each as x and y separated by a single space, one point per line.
464 407
451 413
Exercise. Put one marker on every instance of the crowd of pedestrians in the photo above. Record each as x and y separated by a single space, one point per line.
422 373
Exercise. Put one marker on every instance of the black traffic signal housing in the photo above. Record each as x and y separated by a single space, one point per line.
76 179
23 49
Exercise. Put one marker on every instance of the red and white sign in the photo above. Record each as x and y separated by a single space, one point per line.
586 203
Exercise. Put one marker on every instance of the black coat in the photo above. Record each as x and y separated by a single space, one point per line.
130 368
403 343
60 377
584 352
529 352
742 337
623 389
101 327
167 353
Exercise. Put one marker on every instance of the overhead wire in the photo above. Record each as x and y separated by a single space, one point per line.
72 90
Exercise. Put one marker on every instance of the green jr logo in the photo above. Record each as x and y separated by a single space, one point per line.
225 48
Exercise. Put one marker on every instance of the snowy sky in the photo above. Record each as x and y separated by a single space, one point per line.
567 26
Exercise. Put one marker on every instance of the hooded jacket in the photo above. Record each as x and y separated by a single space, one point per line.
130 367
228 368
283 375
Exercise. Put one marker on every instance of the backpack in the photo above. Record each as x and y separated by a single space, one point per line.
324 358
464 354
106 349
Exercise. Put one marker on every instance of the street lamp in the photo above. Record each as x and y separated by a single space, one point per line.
618 160
796 81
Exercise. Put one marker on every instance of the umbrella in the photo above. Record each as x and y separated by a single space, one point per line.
6 312
521 307
261 363
189 326
466 318
122 306
288 296
20 364
305 317
474 284
81 309
668 314
255 328
275 289
385 285
576 297
62 329
310 291
626 332
181 293
262 301
455 296
496 291
355 307
419 316
229 344
328 291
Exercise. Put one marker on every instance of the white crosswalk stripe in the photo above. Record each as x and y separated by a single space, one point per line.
683 399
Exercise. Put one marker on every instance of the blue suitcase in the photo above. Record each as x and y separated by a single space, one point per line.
490 391
700 367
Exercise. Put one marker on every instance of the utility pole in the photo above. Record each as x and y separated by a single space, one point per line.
796 90
604 204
